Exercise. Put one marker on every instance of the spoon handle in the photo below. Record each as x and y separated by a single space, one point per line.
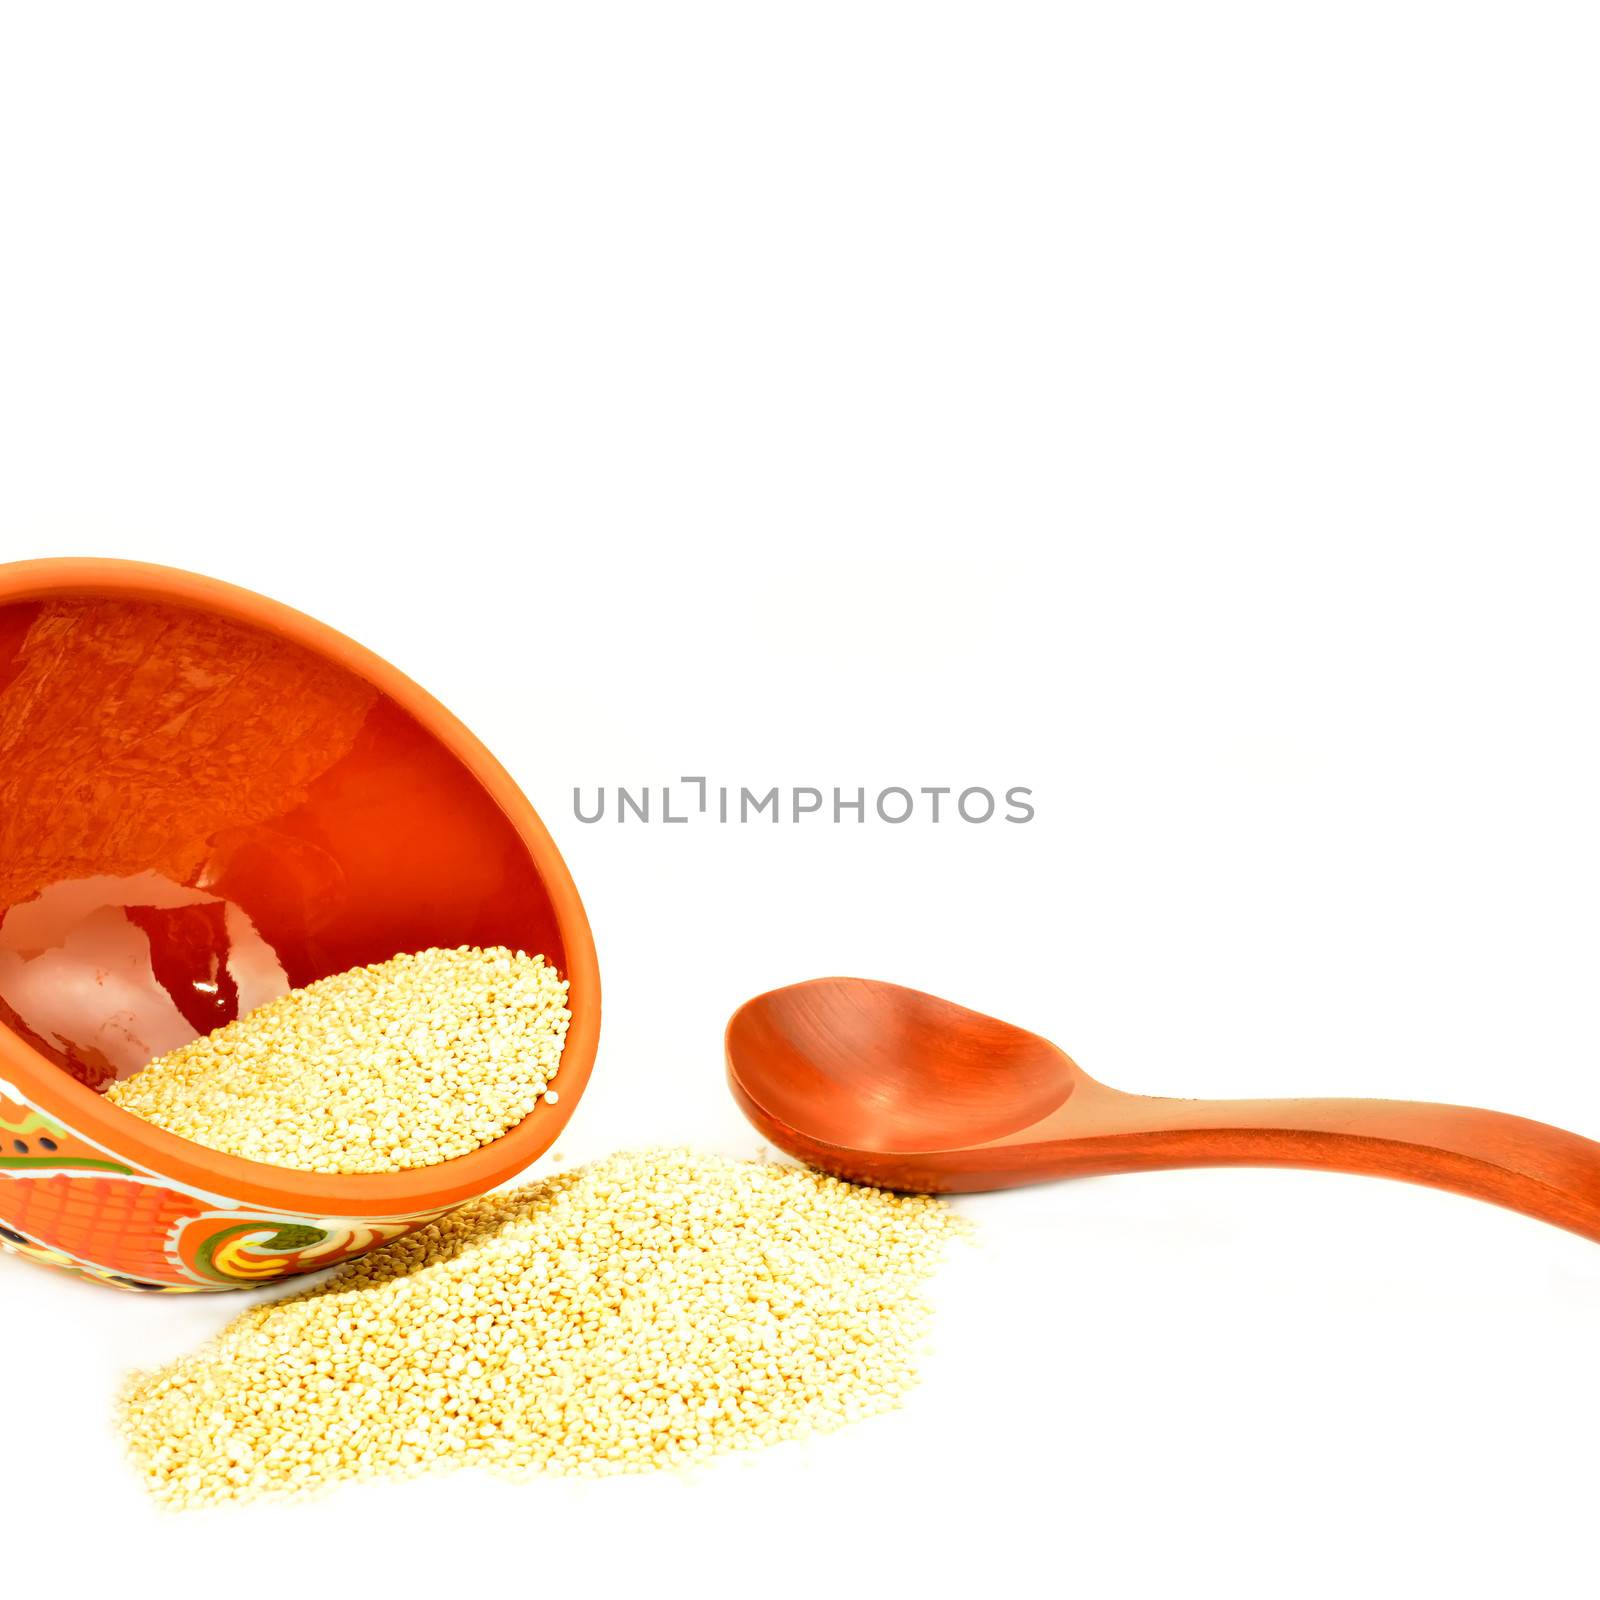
1529 1166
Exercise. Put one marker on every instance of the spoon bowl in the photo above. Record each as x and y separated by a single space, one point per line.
873 1067
889 1086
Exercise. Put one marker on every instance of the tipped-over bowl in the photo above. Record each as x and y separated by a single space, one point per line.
207 799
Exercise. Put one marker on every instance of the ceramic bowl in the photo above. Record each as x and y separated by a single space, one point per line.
207 799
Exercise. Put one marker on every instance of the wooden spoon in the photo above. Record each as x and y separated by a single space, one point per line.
888 1086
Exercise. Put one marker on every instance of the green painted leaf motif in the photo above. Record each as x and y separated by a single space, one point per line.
286 1236
295 1236
63 1163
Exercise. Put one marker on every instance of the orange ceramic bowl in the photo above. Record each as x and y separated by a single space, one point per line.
207 799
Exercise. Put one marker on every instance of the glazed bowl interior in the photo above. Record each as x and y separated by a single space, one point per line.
200 810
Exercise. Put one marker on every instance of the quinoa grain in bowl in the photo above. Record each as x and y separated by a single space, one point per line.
405 1063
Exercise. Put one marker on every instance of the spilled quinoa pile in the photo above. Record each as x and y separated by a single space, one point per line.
648 1310
402 1064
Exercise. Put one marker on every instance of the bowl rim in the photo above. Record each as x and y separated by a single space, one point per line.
254 1184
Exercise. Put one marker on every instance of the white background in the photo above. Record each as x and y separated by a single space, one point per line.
1187 411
